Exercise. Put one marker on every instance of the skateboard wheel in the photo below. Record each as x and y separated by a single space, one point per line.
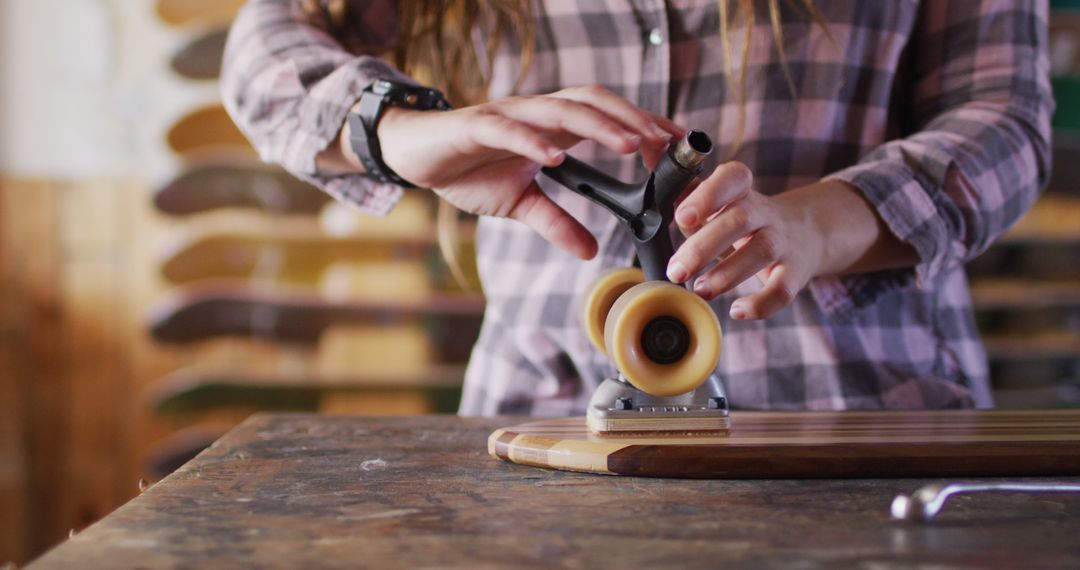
602 295
664 339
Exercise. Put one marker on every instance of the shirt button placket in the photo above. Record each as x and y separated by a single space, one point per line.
655 73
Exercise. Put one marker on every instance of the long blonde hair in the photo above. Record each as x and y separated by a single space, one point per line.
434 44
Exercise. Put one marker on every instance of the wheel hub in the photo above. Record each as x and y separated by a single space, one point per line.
665 340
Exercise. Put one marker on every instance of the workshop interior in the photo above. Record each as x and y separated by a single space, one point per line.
161 284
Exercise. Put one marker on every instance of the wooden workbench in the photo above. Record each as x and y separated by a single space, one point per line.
303 491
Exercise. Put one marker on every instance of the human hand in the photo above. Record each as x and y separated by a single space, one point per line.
484 159
772 237
825 228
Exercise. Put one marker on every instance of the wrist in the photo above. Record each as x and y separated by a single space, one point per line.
393 132
845 233
366 121
392 121
389 125
848 226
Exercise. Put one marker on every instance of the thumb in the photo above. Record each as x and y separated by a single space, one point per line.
552 223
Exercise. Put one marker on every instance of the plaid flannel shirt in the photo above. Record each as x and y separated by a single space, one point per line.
938 112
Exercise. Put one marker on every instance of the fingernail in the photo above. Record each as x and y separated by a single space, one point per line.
634 139
738 312
676 272
556 154
687 217
702 288
659 132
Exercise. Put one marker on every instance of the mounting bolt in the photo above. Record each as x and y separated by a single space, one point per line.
624 403
718 403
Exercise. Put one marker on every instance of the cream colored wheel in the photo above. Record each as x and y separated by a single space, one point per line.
601 296
664 339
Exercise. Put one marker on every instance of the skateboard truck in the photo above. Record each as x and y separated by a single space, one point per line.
617 407
663 339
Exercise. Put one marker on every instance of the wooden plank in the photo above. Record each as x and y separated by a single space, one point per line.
393 402
1009 293
207 309
98 389
1053 218
93 240
1060 395
816 444
285 258
197 12
38 320
204 129
307 491
201 58
242 244
14 482
237 184
1047 261
192 390
148 359
1050 345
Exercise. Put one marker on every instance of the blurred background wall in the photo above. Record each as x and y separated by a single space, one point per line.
158 284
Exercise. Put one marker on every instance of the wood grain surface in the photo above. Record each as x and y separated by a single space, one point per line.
303 491
206 309
192 390
195 12
816 444
207 128
220 183
201 58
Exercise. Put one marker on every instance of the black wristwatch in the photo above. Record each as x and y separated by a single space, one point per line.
373 103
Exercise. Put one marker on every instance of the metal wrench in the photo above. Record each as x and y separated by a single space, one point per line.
925 503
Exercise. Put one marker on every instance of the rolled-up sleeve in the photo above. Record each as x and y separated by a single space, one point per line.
981 155
288 84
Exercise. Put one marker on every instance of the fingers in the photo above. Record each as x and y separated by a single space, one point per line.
534 127
552 223
629 115
728 183
582 121
674 129
495 131
759 252
779 291
736 221
651 156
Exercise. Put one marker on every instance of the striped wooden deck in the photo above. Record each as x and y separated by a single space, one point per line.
816 444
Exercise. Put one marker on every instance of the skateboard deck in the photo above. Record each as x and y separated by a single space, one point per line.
289 258
1024 294
195 12
967 443
242 184
207 128
209 309
196 390
1046 263
201 58
241 244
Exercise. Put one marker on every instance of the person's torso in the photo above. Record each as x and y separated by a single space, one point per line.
837 100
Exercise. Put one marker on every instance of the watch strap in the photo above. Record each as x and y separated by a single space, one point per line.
365 120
